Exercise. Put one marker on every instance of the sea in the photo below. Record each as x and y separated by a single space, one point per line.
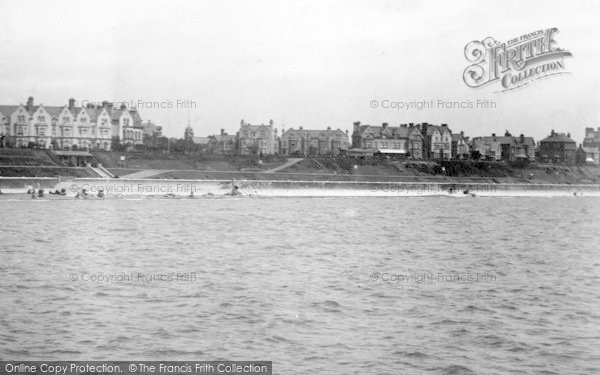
333 285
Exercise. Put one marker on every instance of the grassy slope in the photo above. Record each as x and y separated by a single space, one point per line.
181 166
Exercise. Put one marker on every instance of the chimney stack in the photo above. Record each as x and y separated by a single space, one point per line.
222 131
568 135
462 133
30 103
71 103
384 125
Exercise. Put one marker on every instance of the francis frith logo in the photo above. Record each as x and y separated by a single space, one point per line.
515 63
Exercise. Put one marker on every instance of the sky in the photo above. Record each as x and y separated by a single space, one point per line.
301 63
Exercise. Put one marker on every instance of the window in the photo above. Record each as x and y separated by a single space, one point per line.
83 120
42 132
66 120
21 119
41 119
125 122
19 130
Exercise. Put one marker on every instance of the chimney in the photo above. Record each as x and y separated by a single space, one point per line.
30 103
242 123
384 125
222 131
300 128
356 125
271 122
522 138
444 125
329 128
411 125
71 103
346 132
105 104
568 135
462 133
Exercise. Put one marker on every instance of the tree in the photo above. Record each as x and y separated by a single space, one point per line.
115 144
475 155
253 149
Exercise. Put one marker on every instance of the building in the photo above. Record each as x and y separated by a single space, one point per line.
402 140
313 142
437 141
202 144
588 155
505 147
151 134
592 138
69 126
149 129
257 139
222 144
558 148
460 146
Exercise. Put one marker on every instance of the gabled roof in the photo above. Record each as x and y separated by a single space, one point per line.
432 128
254 127
54 111
201 140
389 131
223 138
137 120
8 110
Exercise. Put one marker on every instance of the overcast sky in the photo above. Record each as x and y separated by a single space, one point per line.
303 63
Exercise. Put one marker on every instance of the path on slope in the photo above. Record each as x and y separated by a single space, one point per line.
289 163
146 173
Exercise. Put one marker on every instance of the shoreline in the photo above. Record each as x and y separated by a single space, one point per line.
279 188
